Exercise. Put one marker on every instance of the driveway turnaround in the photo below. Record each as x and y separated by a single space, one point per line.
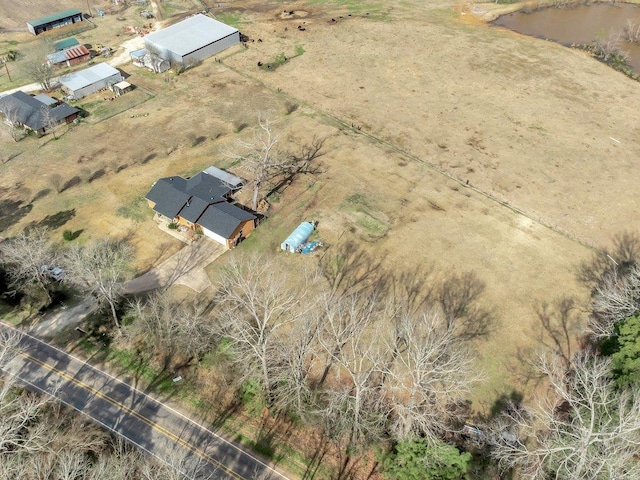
185 267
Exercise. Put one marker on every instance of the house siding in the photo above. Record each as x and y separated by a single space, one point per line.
244 229
214 236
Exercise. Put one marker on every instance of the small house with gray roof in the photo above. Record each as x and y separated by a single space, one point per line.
202 202
39 113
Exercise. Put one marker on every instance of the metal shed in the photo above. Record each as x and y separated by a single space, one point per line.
55 20
192 40
66 43
90 80
69 56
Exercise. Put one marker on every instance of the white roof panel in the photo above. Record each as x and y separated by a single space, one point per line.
190 34
226 177
88 76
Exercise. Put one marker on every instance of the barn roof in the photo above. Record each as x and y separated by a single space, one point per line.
191 34
28 110
224 218
67 54
54 17
66 43
88 76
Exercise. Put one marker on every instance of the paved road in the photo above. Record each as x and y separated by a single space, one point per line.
131 413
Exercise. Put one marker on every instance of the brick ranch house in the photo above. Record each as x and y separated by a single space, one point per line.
39 113
203 201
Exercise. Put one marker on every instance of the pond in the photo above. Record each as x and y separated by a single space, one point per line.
580 25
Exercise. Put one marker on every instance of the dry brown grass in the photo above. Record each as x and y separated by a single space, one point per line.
438 100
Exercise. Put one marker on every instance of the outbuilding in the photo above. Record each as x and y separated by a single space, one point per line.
192 40
144 58
55 20
298 237
66 43
69 56
90 80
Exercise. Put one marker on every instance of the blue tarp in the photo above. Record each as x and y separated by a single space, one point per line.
298 237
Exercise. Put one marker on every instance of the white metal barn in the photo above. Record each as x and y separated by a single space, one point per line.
192 40
90 80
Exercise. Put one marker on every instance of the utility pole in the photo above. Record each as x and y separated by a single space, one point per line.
4 60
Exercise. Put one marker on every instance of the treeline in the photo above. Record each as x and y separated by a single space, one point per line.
374 360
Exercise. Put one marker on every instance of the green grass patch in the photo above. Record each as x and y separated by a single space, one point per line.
137 210
371 223
282 58
140 367
230 18
169 9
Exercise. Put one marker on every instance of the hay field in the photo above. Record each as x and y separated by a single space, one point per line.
439 100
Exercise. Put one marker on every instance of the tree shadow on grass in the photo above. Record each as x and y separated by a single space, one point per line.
53 221
315 463
270 435
11 212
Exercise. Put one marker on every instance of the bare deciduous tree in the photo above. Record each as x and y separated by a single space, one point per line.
617 297
25 256
344 319
268 166
255 306
167 328
609 45
100 269
49 121
40 72
582 428
19 429
298 357
12 119
352 402
427 371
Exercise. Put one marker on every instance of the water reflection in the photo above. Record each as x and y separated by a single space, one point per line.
579 25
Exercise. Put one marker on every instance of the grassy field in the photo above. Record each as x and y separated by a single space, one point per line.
449 143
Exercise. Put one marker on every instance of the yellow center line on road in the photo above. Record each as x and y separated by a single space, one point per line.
167 433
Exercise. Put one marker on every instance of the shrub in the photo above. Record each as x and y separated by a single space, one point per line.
67 235
173 226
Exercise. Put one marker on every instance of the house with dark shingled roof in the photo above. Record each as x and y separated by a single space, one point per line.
202 201
37 113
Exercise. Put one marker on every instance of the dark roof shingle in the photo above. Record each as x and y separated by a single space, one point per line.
224 218
28 110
